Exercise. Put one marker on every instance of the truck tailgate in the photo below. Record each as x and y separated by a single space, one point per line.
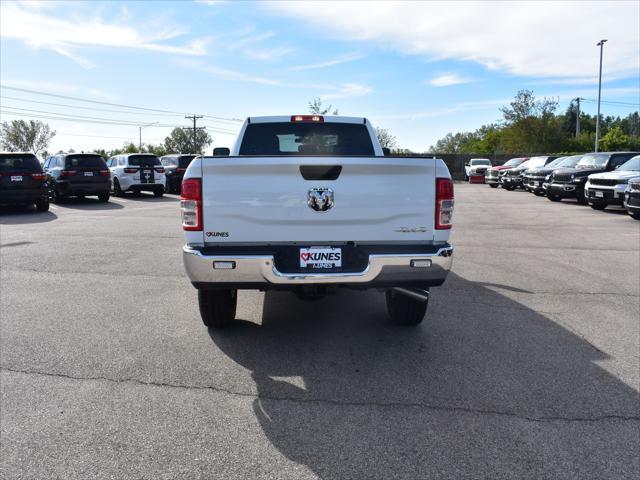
376 199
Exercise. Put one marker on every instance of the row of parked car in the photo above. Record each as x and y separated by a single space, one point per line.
24 181
598 179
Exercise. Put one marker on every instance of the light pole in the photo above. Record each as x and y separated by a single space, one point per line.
601 45
140 134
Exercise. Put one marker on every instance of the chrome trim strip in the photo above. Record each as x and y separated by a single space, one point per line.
262 269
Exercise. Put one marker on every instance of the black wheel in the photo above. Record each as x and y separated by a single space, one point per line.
538 193
404 310
158 192
582 200
217 307
103 197
466 178
493 185
54 195
598 206
117 191
510 188
554 198
42 205
635 215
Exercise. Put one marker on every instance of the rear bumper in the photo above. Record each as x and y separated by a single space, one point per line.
260 271
67 188
9 197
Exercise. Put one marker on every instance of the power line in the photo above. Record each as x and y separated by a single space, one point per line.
68 97
95 120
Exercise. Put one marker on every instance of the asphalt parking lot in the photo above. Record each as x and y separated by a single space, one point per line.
527 365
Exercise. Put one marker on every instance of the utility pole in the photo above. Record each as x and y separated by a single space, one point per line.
195 130
578 118
601 45
140 134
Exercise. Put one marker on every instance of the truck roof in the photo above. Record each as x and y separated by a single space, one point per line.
287 118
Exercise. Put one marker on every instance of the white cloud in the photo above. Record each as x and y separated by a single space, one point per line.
268 54
535 39
448 79
38 29
348 90
350 57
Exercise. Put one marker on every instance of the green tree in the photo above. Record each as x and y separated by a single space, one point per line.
385 138
180 140
317 107
25 136
614 140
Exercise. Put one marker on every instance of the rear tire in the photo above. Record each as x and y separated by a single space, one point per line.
42 205
511 189
598 206
117 191
104 197
493 185
217 307
54 195
159 192
404 310
635 215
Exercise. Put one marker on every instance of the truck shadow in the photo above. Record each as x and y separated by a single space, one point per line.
87 203
484 388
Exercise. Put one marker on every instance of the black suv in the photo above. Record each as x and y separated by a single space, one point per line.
22 181
514 177
77 174
569 182
537 178
174 168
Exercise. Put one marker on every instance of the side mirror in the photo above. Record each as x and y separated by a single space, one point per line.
386 151
221 152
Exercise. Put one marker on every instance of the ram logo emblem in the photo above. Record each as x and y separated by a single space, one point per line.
320 199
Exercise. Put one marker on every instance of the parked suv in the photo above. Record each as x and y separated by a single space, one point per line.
77 174
174 168
537 179
632 198
22 181
136 172
492 176
514 177
608 188
570 182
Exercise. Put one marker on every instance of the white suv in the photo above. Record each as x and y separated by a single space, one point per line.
136 172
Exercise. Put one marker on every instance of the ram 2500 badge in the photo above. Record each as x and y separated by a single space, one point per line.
309 203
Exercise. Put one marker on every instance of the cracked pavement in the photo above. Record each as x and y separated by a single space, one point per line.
527 365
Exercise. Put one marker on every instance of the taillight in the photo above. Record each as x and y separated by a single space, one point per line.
181 170
104 173
307 118
37 176
130 170
191 204
159 169
444 203
67 173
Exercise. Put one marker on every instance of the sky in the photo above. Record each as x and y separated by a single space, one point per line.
418 69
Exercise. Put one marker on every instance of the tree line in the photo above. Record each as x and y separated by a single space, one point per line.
35 136
531 125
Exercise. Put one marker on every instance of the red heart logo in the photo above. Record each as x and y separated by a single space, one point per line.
305 256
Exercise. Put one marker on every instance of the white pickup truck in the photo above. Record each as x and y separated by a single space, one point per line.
309 203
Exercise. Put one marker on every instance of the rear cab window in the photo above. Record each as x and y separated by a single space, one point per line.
185 160
306 139
19 162
85 161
